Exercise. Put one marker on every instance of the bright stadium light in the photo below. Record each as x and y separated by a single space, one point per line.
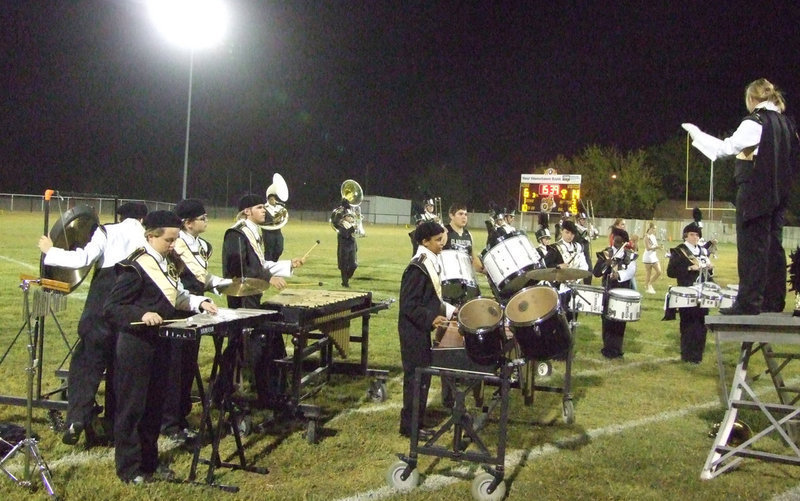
193 24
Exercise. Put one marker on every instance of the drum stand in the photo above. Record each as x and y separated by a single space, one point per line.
28 446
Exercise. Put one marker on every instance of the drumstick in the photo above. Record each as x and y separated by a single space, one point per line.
309 252
289 284
163 321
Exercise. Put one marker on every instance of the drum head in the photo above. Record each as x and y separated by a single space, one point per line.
683 291
72 231
622 293
480 314
531 305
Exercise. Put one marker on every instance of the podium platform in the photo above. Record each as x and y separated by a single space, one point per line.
757 334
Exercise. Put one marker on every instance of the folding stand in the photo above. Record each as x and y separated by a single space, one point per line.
756 334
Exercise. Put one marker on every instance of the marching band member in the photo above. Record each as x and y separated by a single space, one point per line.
243 256
273 239
617 266
499 227
460 239
346 246
687 263
458 236
94 354
421 311
650 258
428 214
147 291
568 254
544 249
766 148
586 233
194 252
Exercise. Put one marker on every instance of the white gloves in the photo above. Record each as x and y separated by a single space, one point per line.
692 129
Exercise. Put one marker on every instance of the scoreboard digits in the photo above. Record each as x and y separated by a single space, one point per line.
549 192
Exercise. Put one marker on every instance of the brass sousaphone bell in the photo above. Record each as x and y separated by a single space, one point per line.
72 231
279 218
352 192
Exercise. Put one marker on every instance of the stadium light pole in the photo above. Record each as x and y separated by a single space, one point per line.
193 24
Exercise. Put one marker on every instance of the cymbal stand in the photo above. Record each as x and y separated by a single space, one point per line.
28 446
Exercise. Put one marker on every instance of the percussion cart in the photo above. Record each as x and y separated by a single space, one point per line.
462 375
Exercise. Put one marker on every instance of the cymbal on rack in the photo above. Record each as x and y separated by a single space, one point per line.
557 274
241 287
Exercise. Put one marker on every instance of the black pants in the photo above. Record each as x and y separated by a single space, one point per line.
693 333
142 365
761 262
178 391
93 355
613 334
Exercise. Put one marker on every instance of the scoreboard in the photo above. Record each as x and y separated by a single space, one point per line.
550 192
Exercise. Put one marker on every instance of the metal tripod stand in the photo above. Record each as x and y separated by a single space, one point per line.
33 460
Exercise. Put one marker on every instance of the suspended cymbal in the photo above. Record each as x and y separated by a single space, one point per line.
242 287
557 274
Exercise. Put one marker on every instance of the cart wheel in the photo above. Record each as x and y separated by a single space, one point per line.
311 431
480 488
544 369
568 411
244 424
394 476
378 392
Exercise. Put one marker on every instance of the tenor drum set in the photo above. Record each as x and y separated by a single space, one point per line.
704 295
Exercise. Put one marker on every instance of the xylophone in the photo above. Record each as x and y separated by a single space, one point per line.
226 324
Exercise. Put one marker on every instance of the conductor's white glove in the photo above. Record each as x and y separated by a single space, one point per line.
692 129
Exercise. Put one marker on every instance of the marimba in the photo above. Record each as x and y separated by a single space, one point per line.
319 323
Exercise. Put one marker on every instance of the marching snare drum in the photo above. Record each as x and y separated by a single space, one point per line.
538 323
587 299
480 321
507 262
707 297
458 277
624 305
682 297
727 297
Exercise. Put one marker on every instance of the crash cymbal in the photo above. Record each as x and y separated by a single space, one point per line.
242 287
557 274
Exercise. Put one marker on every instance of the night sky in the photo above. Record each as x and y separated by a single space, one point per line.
380 92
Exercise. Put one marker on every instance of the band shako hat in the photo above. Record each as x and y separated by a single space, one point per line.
692 227
162 219
251 200
190 208
136 210
569 226
542 233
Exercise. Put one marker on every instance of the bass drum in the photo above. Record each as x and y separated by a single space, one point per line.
507 263
458 277
480 321
72 231
538 324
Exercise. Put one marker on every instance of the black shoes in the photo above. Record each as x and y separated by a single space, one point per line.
73 433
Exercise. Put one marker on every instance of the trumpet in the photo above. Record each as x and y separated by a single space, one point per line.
277 215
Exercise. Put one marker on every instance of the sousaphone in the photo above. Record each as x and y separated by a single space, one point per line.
72 231
277 219
352 192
